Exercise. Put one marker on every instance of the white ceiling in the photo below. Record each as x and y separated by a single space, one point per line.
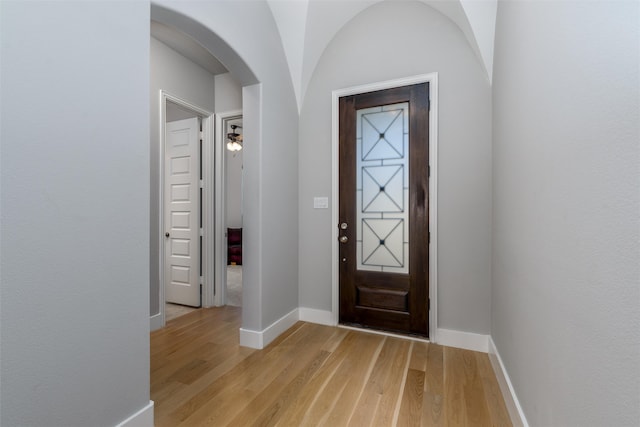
307 27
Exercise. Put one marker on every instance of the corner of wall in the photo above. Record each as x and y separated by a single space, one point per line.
142 418
321 317
261 339
510 399
155 322
465 340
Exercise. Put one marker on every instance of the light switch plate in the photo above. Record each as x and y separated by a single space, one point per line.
320 203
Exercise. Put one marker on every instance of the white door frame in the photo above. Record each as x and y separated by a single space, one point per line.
221 197
432 79
208 207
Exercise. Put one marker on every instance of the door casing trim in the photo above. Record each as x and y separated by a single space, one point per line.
432 79
208 207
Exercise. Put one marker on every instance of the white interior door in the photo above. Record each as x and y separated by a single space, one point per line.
182 212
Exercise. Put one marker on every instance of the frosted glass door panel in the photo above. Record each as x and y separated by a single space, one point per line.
382 193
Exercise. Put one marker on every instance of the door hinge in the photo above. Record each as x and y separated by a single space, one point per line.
201 232
429 170
429 237
428 304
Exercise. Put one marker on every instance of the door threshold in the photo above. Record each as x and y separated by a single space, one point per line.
385 333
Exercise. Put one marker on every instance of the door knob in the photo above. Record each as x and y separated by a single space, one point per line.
166 234
343 226
344 239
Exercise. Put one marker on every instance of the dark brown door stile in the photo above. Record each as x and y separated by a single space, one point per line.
384 211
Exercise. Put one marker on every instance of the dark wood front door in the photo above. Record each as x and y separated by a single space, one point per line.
384 209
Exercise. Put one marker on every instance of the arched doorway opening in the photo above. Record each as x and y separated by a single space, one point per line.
214 276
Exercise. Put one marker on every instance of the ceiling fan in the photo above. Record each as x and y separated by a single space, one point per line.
235 139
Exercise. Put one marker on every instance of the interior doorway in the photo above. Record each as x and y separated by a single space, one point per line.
186 204
229 142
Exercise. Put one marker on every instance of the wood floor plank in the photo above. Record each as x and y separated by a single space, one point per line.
433 398
298 407
377 403
190 372
454 381
419 356
267 408
493 395
327 388
357 367
336 339
295 373
474 398
243 385
412 398
164 394
314 375
166 407
389 407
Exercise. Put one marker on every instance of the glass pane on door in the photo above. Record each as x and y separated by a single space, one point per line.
382 192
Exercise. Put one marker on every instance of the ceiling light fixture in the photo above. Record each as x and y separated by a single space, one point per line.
235 139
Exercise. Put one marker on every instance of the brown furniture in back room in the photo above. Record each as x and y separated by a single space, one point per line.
234 246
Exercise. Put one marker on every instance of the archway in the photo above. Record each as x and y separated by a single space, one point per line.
219 48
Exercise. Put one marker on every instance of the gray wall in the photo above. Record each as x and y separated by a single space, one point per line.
566 294
180 77
75 212
270 154
228 93
416 40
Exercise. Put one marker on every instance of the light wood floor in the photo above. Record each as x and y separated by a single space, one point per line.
314 375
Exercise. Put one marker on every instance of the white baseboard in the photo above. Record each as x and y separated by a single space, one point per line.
142 418
466 340
155 322
251 339
510 399
261 339
321 317
384 333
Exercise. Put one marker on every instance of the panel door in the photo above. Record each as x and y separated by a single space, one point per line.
182 212
383 209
